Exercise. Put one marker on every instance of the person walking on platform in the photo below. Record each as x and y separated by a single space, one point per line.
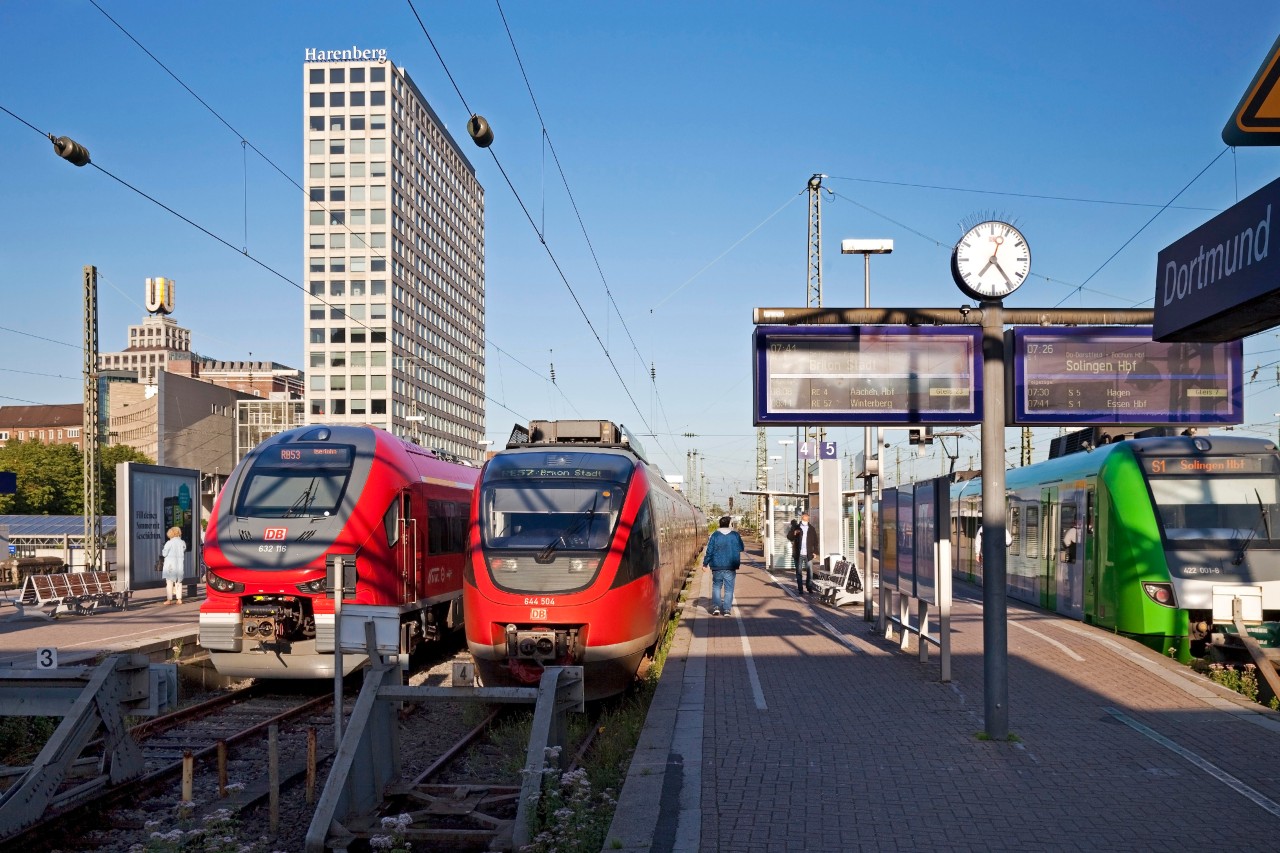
175 565
722 556
804 547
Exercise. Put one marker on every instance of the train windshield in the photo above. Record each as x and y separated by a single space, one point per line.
552 501
1231 510
295 481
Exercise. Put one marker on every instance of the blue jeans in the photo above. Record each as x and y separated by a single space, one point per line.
722 581
804 574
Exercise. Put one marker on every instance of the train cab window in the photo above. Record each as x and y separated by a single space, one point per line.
1218 509
295 481
391 521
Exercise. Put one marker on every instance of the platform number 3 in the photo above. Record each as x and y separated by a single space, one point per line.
47 658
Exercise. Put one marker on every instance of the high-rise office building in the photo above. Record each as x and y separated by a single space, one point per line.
394 224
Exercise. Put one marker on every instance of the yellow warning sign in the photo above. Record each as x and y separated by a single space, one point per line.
1256 119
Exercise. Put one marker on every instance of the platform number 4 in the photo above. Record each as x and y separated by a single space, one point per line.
46 658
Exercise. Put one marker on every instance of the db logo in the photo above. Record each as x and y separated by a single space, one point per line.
274 534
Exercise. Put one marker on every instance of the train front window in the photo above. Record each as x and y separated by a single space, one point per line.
1230 510
293 481
553 500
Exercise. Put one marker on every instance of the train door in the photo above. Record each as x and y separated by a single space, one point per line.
1070 554
408 549
1050 512
1088 556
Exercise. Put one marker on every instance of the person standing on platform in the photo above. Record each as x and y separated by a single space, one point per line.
804 547
175 565
722 556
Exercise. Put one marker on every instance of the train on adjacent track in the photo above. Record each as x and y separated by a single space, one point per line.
395 515
1150 537
579 548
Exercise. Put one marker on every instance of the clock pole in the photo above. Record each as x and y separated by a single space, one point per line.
995 629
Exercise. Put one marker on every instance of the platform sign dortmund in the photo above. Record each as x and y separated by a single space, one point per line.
904 375
1256 119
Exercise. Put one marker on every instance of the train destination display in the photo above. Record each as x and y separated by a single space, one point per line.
867 374
1110 375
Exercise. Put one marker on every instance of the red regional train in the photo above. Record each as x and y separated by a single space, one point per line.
395 513
579 549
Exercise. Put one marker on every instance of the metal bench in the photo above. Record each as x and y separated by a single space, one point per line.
838 581
81 593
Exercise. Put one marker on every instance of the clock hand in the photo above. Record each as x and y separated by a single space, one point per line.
1000 269
983 271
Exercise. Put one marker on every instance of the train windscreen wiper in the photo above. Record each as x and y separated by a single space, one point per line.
544 556
1266 523
303 502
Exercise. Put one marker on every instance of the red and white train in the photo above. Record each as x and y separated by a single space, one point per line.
579 549
395 513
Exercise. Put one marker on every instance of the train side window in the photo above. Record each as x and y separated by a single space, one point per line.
1033 531
446 527
391 521
1015 529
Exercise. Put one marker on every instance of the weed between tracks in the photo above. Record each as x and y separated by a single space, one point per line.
575 807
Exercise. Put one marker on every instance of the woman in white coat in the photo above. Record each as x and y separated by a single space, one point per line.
175 565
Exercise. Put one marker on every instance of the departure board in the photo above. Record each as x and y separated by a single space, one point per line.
903 375
1112 375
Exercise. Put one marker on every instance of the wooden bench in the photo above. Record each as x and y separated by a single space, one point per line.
81 593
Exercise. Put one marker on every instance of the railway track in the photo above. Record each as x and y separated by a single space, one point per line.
234 726
462 767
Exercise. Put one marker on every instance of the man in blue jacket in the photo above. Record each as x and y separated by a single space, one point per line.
723 555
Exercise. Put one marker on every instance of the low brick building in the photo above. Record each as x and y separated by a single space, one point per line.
60 423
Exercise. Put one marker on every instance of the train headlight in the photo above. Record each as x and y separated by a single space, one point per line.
1160 593
221 584
576 566
313 586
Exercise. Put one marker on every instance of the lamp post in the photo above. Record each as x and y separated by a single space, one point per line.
786 442
417 428
870 435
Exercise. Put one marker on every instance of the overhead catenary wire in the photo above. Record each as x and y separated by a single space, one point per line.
582 225
555 262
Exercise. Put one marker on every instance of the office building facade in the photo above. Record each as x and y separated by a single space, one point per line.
394 248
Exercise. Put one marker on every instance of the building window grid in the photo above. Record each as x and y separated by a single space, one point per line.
448 251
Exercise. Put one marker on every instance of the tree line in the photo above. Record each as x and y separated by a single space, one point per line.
51 477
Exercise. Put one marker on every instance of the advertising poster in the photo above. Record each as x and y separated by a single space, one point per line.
930 504
906 540
150 500
889 538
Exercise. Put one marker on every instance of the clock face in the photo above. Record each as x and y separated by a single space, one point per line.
991 261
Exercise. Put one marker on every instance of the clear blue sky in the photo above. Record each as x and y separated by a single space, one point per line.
687 131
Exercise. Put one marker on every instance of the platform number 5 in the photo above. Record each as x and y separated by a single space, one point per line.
46 658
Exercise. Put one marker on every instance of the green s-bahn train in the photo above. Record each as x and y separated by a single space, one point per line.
1139 536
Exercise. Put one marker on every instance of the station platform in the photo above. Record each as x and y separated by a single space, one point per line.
148 626
791 725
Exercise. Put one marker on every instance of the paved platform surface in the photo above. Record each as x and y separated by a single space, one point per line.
792 726
148 626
